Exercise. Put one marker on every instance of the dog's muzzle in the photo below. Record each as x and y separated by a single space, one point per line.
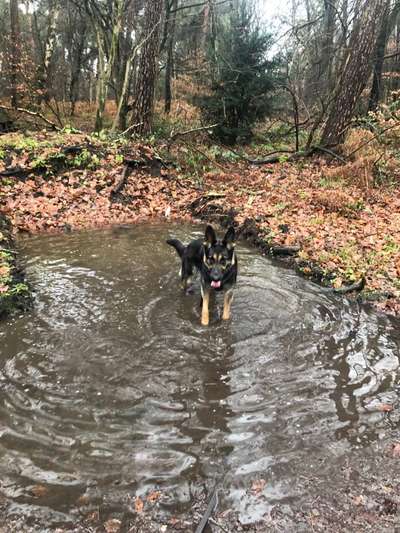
216 278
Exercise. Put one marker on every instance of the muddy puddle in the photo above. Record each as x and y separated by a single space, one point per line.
110 389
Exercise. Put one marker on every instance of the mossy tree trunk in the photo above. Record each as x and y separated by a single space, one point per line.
106 58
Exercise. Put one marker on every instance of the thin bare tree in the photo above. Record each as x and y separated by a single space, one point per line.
15 51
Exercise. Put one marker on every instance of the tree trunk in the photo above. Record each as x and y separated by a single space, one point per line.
15 51
142 113
356 71
169 67
205 30
122 106
126 68
102 83
213 37
327 44
44 77
76 68
388 23
106 60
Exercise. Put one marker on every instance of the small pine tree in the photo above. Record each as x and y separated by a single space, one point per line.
243 77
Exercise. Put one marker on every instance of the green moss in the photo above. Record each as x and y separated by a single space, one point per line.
28 144
391 246
330 182
14 292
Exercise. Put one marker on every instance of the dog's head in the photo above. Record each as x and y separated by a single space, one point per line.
219 256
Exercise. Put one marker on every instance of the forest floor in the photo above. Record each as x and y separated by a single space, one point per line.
337 233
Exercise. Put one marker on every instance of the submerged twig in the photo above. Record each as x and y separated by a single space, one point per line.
215 523
208 512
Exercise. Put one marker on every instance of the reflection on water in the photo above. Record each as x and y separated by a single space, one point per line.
111 387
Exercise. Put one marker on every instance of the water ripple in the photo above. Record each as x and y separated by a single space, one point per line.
111 387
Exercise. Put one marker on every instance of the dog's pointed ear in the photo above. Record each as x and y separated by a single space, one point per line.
229 238
210 237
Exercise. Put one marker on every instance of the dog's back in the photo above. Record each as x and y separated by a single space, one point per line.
191 256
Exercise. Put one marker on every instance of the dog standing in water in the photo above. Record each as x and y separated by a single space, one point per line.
217 263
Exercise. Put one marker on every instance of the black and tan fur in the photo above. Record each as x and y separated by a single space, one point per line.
217 263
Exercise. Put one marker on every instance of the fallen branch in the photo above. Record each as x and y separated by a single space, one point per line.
33 114
329 152
119 185
76 149
272 157
293 155
357 286
204 202
15 171
128 130
285 250
211 194
194 130
204 198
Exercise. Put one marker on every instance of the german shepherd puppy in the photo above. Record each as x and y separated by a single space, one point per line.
217 263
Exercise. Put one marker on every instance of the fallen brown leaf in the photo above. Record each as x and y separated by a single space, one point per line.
258 486
139 505
358 500
39 491
153 496
395 452
82 500
385 407
112 526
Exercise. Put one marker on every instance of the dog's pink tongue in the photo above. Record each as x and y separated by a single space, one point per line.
215 284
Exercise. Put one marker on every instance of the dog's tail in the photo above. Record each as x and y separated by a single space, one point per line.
179 247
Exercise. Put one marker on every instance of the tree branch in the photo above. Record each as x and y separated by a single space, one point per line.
199 4
394 54
33 114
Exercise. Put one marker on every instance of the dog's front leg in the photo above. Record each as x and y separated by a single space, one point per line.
205 317
228 297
